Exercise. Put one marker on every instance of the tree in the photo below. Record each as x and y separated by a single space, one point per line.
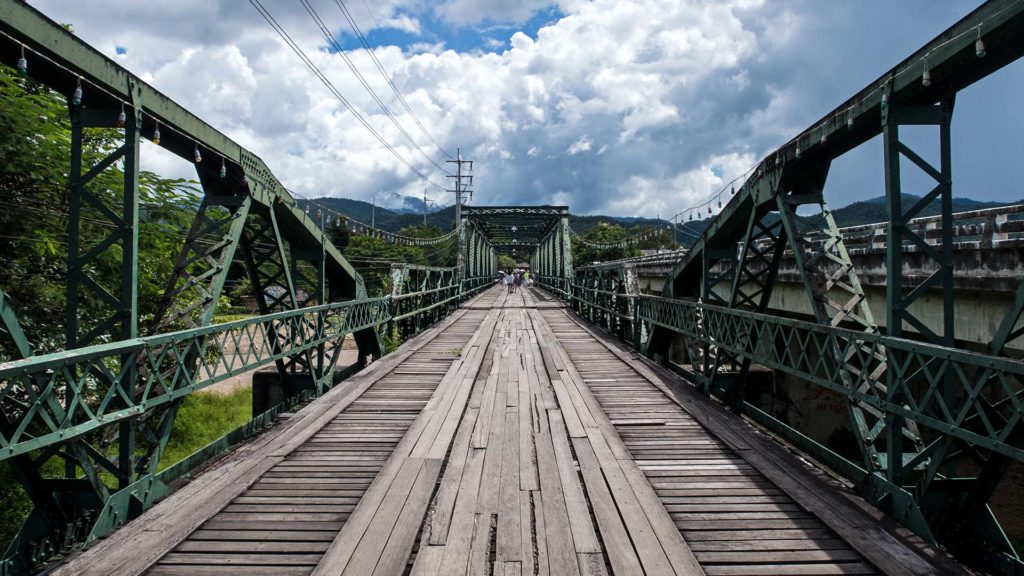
35 155
603 233
506 262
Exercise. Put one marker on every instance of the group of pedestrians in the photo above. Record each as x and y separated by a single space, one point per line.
514 279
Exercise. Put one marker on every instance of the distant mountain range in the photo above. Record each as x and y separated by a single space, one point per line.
411 214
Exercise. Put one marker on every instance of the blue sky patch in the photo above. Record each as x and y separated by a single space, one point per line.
486 36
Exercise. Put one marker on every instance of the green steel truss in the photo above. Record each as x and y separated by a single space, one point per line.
104 412
551 260
937 427
515 231
423 295
477 256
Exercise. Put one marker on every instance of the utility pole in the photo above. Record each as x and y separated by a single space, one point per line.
373 212
462 184
426 204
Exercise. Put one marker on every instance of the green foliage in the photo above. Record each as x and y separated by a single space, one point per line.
203 418
391 339
650 238
35 155
372 257
16 505
506 262
602 233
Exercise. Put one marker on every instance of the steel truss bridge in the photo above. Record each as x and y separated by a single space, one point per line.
508 434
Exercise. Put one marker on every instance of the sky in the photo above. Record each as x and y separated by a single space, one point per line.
617 107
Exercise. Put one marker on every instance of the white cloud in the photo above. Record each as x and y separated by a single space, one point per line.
661 90
581 145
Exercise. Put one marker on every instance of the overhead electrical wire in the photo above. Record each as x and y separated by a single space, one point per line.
333 42
387 77
283 34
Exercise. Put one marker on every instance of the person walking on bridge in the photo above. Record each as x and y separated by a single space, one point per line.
509 282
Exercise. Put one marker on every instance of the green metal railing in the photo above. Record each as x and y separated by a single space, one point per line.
54 398
948 395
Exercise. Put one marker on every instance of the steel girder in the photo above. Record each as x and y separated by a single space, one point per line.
910 472
553 258
114 416
476 252
421 296
515 229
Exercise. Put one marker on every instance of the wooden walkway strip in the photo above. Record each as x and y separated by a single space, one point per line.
540 448
357 547
140 544
734 495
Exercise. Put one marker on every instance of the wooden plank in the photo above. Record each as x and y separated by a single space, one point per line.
621 554
853 520
428 561
193 570
395 555
375 536
648 547
456 551
487 502
583 533
791 569
675 547
527 451
557 532
444 502
534 527
509 539
480 551
591 564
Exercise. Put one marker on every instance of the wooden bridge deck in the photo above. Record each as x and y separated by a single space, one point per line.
510 439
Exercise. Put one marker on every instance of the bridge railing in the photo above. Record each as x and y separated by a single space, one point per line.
51 399
944 393
423 295
73 401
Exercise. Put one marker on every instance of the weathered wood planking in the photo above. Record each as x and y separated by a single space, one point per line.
512 440
272 471
724 491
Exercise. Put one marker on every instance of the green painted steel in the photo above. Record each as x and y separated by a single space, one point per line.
918 410
107 391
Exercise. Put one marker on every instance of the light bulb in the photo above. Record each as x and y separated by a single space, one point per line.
691 216
121 118
797 151
23 65
156 133
709 209
719 201
885 100
197 155
849 120
824 136
224 171
926 78
733 191
76 96
979 46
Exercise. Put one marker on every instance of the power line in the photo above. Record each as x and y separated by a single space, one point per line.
383 72
283 34
329 36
